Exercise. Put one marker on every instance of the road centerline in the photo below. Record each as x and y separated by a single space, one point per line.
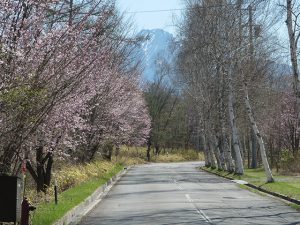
177 193
199 211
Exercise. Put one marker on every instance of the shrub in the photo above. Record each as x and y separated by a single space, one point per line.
288 162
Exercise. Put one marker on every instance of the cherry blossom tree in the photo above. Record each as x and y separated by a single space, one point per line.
63 83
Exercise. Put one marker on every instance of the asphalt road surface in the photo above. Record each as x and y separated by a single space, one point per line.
178 193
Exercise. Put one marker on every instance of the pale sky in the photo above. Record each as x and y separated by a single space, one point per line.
135 10
151 20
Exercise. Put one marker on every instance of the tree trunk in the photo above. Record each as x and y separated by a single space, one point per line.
224 140
206 152
226 148
258 136
253 150
117 152
49 171
6 159
293 40
271 147
210 153
157 149
293 52
239 167
226 152
211 158
215 152
91 153
40 170
245 150
219 154
219 145
148 150
41 176
71 13
248 152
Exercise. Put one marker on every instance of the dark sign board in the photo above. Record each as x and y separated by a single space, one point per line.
10 199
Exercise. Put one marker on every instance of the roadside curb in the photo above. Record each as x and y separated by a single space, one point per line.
284 197
75 215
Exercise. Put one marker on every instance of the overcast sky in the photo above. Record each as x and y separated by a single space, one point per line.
151 20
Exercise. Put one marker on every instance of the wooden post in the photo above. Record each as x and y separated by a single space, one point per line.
55 191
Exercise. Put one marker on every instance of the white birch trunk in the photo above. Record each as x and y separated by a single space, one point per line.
239 167
221 153
214 145
215 152
206 153
293 39
258 136
210 154
227 152
212 159
226 148
227 157
253 147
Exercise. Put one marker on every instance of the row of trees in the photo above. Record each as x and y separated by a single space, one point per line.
173 123
226 64
68 85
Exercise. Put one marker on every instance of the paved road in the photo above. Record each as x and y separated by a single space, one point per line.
180 194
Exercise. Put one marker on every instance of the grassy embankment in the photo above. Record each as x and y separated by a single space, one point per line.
77 182
84 179
284 184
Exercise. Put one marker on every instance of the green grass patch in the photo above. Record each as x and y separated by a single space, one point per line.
285 185
294 206
252 190
48 213
221 173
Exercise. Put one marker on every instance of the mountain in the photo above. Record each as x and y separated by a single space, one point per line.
280 76
155 47
279 69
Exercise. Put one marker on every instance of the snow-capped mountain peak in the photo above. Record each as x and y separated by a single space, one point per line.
157 44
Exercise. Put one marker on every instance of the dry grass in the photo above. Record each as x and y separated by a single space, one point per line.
68 176
47 212
137 155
